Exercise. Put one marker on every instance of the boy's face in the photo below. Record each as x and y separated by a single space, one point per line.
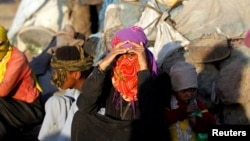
186 94
69 81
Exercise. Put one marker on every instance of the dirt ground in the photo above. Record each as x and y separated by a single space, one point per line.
8 11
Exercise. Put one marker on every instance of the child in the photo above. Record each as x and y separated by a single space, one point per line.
71 66
187 116
41 63
59 107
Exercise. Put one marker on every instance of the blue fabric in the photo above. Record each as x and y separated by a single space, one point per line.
41 67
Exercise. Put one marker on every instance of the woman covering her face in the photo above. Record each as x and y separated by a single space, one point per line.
122 83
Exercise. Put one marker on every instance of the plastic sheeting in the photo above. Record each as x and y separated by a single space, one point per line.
25 11
200 17
48 14
166 39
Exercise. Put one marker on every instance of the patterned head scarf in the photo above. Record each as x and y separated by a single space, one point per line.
183 76
61 66
132 33
124 70
4 42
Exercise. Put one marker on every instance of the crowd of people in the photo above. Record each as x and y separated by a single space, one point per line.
117 99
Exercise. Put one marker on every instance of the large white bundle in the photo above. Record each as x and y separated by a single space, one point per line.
118 15
52 15
233 85
24 12
198 17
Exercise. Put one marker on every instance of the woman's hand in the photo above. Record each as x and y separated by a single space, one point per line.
140 51
109 58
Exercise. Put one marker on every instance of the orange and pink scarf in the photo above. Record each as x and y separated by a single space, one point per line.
126 67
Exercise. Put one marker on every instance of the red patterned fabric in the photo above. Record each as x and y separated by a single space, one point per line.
124 72
124 76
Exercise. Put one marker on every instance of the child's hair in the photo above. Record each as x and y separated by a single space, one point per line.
67 53
70 58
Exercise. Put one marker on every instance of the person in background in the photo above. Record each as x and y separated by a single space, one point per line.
41 63
19 90
187 116
122 82
69 63
60 107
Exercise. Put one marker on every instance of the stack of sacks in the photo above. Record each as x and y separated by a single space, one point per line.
232 86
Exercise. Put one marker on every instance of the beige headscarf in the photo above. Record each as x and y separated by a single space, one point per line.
183 76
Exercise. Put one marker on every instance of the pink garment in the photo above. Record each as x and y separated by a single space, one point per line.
18 76
247 39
